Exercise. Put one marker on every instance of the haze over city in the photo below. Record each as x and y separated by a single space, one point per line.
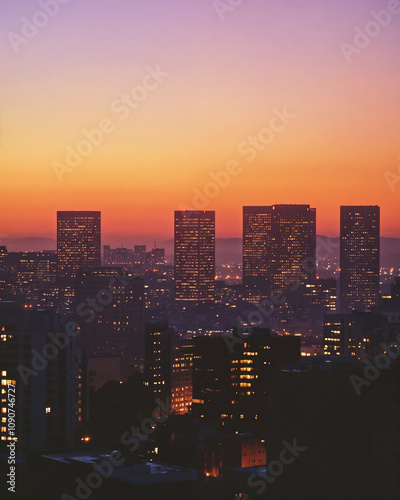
223 81
200 249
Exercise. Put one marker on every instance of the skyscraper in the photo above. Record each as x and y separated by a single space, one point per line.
279 244
78 242
359 257
182 378
194 256
48 400
156 259
257 246
232 384
110 307
160 344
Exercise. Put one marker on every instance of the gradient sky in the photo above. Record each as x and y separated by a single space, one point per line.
226 78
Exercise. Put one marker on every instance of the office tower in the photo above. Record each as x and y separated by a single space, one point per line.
160 344
279 244
159 294
359 257
346 335
195 256
358 334
182 378
156 259
32 277
294 228
78 242
139 253
336 334
320 294
257 247
211 374
47 399
106 255
3 256
4 282
230 383
251 363
110 310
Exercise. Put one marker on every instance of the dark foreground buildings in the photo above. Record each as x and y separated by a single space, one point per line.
48 391
110 308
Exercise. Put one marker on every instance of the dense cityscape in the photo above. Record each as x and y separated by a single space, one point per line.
163 380
200 250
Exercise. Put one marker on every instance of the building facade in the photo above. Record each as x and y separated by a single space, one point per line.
110 309
195 256
279 244
78 242
359 258
48 388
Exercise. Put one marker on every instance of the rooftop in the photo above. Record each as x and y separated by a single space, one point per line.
142 473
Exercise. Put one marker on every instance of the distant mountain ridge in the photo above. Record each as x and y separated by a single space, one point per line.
227 249
230 249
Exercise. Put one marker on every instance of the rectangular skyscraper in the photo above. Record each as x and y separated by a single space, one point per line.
279 244
160 342
359 257
78 242
48 400
194 256
110 305
257 246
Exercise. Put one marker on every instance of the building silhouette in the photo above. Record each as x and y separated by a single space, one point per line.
40 361
279 244
182 378
230 374
160 343
359 258
78 242
110 309
195 256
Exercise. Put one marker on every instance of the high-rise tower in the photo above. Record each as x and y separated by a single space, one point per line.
359 257
279 244
78 242
194 256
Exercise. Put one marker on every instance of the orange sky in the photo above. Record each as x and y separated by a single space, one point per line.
225 81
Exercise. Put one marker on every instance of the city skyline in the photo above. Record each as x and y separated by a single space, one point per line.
200 249
132 239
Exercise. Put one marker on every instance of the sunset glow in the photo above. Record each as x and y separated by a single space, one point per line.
222 81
